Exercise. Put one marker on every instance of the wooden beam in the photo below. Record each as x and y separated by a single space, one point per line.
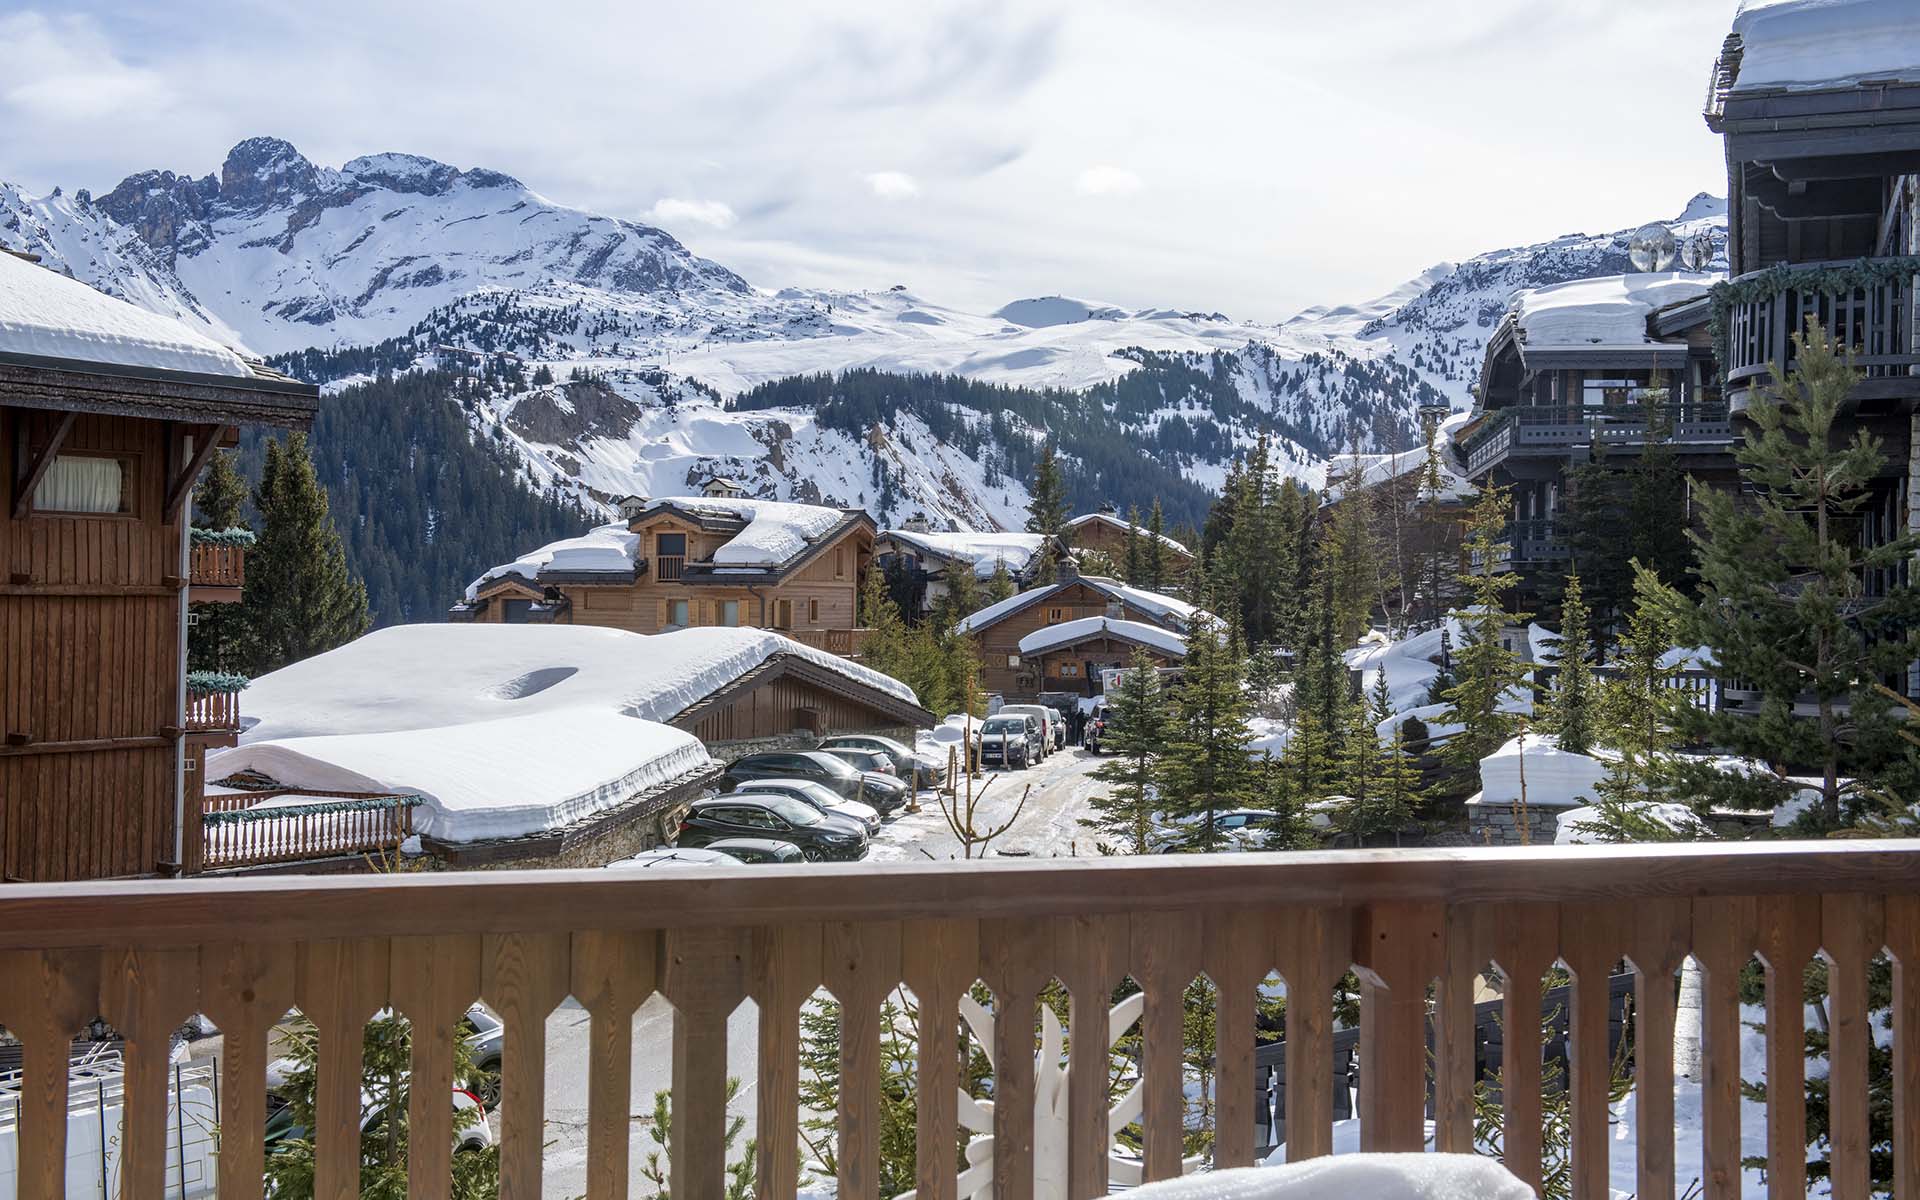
182 487
37 469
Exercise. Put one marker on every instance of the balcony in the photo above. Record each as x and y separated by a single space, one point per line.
1524 542
668 568
1872 319
241 829
217 565
847 643
147 955
213 706
1557 432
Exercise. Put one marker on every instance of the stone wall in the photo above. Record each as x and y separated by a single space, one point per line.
1497 824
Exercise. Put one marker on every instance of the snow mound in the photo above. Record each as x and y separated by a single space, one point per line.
45 314
1576 824
1808 44
777 530
1045 311
606 548
1068 631
1555 778
1609 311
1352 1177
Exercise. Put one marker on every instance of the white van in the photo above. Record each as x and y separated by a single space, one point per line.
94 1107
1050 720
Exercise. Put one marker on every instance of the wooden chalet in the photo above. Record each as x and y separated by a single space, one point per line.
999 629
107 415
1076 656
679 563
928 560
1106 531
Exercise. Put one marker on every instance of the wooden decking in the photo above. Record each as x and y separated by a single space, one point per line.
147 954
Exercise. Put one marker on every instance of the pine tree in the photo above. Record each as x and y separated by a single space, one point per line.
1154 565
1349 556
1639 708
1047 507
217 639
301 599
1569 715
1208 767
1379 795
1138 725
1436 529
1000 586
220 500
885 648
1487 674
1784 601
1136 565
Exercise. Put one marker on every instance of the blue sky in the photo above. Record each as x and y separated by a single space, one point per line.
1253 158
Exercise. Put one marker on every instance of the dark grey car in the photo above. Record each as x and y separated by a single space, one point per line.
884 792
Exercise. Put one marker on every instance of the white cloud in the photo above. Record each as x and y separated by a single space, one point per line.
670 210
63 69
892 185
1105 180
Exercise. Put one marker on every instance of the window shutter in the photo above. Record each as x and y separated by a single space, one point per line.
662 622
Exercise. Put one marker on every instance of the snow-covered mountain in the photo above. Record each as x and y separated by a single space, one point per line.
661 365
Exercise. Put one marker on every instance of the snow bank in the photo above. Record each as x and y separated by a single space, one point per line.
1575 827
1351 1177
604 548
1807 44
1160 639
1556 778
1409 666
777 530
44 313
987 550
1609 311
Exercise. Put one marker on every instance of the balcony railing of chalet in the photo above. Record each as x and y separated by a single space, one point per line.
213 702
1770 306
146 955
1529 541
251 829
217 565
847 643
1556 430
669 567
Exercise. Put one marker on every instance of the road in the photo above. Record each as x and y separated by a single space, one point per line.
1056 794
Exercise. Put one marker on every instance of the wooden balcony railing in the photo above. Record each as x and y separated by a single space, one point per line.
145 955
847 643
251 829
1553 431
669 567
212 711
215 565
1871 320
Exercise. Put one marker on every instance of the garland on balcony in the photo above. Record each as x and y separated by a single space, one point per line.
216 681
235 816
236 536
1828 279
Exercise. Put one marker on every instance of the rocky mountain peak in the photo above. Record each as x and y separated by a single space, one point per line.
263 172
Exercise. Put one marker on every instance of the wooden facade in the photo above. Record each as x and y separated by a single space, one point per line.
1077 666
1107 533
789 695
1002 667
94 736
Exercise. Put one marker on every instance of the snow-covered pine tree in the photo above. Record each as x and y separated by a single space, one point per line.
1138 725
1486 672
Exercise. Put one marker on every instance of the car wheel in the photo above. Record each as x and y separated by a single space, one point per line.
811 853
486 1085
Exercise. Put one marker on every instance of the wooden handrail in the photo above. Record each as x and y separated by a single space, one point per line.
213 564
146 954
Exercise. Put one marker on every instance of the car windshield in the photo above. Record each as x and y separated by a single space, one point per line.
795 787
792 811
1007 725
833 764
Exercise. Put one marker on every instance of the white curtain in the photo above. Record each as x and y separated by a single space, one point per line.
80 485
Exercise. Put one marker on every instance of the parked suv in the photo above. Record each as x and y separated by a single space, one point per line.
1053 725
781 818
862 759
819 796
926 772
884 792
1098 725
1012 740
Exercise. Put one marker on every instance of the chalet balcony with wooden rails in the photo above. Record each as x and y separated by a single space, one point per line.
241 829
1871 320
217 566
1555 432
1429 936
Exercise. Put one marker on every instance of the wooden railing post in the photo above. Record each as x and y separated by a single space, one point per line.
860 964
1662 932
613 974
1789 928
1398 949
1013 958
1903 942
146 994
1522 944
785 971
1850 937
1089 953
523 978
245 987
434 979
704 975
1724 940
1313 947
45 998
1592 938
1236 959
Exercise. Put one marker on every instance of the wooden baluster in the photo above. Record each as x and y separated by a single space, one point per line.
1522 938
785 971
939 960
434 980
1661 935
1850 936
1165 958
1724 938
1313 947
704 973
860 964
524 977
1012 963
146 994
1091 953
46 996
340 986
1591 938
245 987
1789 936
1903 940
613 974
1397 950
1453 1056
1237 949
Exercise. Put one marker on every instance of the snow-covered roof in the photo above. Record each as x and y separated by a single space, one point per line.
502 729
1375 469
1120 524
776 530
1809 44
1160 606
1555 778
1160 639
1611 310
45 314
607 548
986 550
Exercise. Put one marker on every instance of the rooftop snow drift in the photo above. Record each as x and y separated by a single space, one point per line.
1609 311
1813 44
47 315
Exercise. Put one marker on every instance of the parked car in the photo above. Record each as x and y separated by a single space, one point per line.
863 760
1239 829
485 1035
674 856
927 771
882 791
1054 724
1096 734
1011 740
759 850
470 1132
820 796
781 818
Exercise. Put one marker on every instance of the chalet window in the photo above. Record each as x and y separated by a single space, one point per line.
783 614
1056 615
670 544
83 483
813 609
677 613
730 612
839 562
1069 670
514 612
